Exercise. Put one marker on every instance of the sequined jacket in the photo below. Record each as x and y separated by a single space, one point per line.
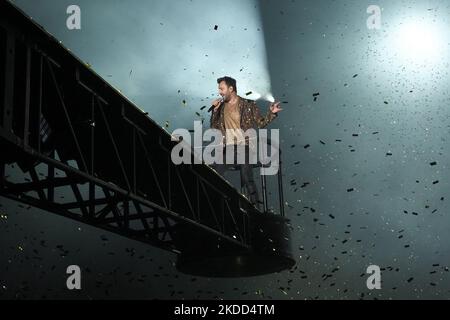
250 117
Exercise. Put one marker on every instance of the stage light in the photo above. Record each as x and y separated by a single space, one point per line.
269 97
419 41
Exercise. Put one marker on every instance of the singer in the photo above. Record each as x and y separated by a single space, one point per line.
233 115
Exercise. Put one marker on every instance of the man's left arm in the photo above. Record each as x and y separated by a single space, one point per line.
271 114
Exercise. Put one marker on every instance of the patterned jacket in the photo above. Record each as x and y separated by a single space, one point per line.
250 117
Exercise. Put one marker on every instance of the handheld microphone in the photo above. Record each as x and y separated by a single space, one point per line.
213 106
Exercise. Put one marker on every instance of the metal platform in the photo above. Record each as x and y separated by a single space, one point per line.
58 116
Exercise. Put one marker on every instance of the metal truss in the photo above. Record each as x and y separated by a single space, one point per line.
60 120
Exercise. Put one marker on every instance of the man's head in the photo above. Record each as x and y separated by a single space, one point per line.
227 87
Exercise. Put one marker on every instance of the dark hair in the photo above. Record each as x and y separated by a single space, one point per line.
229 81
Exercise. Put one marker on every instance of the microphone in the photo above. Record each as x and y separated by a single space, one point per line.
213 106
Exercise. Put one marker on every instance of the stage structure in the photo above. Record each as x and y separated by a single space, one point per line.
68 130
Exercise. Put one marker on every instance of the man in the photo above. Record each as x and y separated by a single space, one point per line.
233 115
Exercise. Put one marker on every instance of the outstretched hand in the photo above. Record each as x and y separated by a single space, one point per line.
275 107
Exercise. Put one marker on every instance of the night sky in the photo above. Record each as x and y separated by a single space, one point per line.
364 132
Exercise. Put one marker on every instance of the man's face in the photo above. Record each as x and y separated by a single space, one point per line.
225 91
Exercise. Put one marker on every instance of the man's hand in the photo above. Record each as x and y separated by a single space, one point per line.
275 107
216 103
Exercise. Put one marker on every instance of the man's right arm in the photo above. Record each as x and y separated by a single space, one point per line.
216 103
211 120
